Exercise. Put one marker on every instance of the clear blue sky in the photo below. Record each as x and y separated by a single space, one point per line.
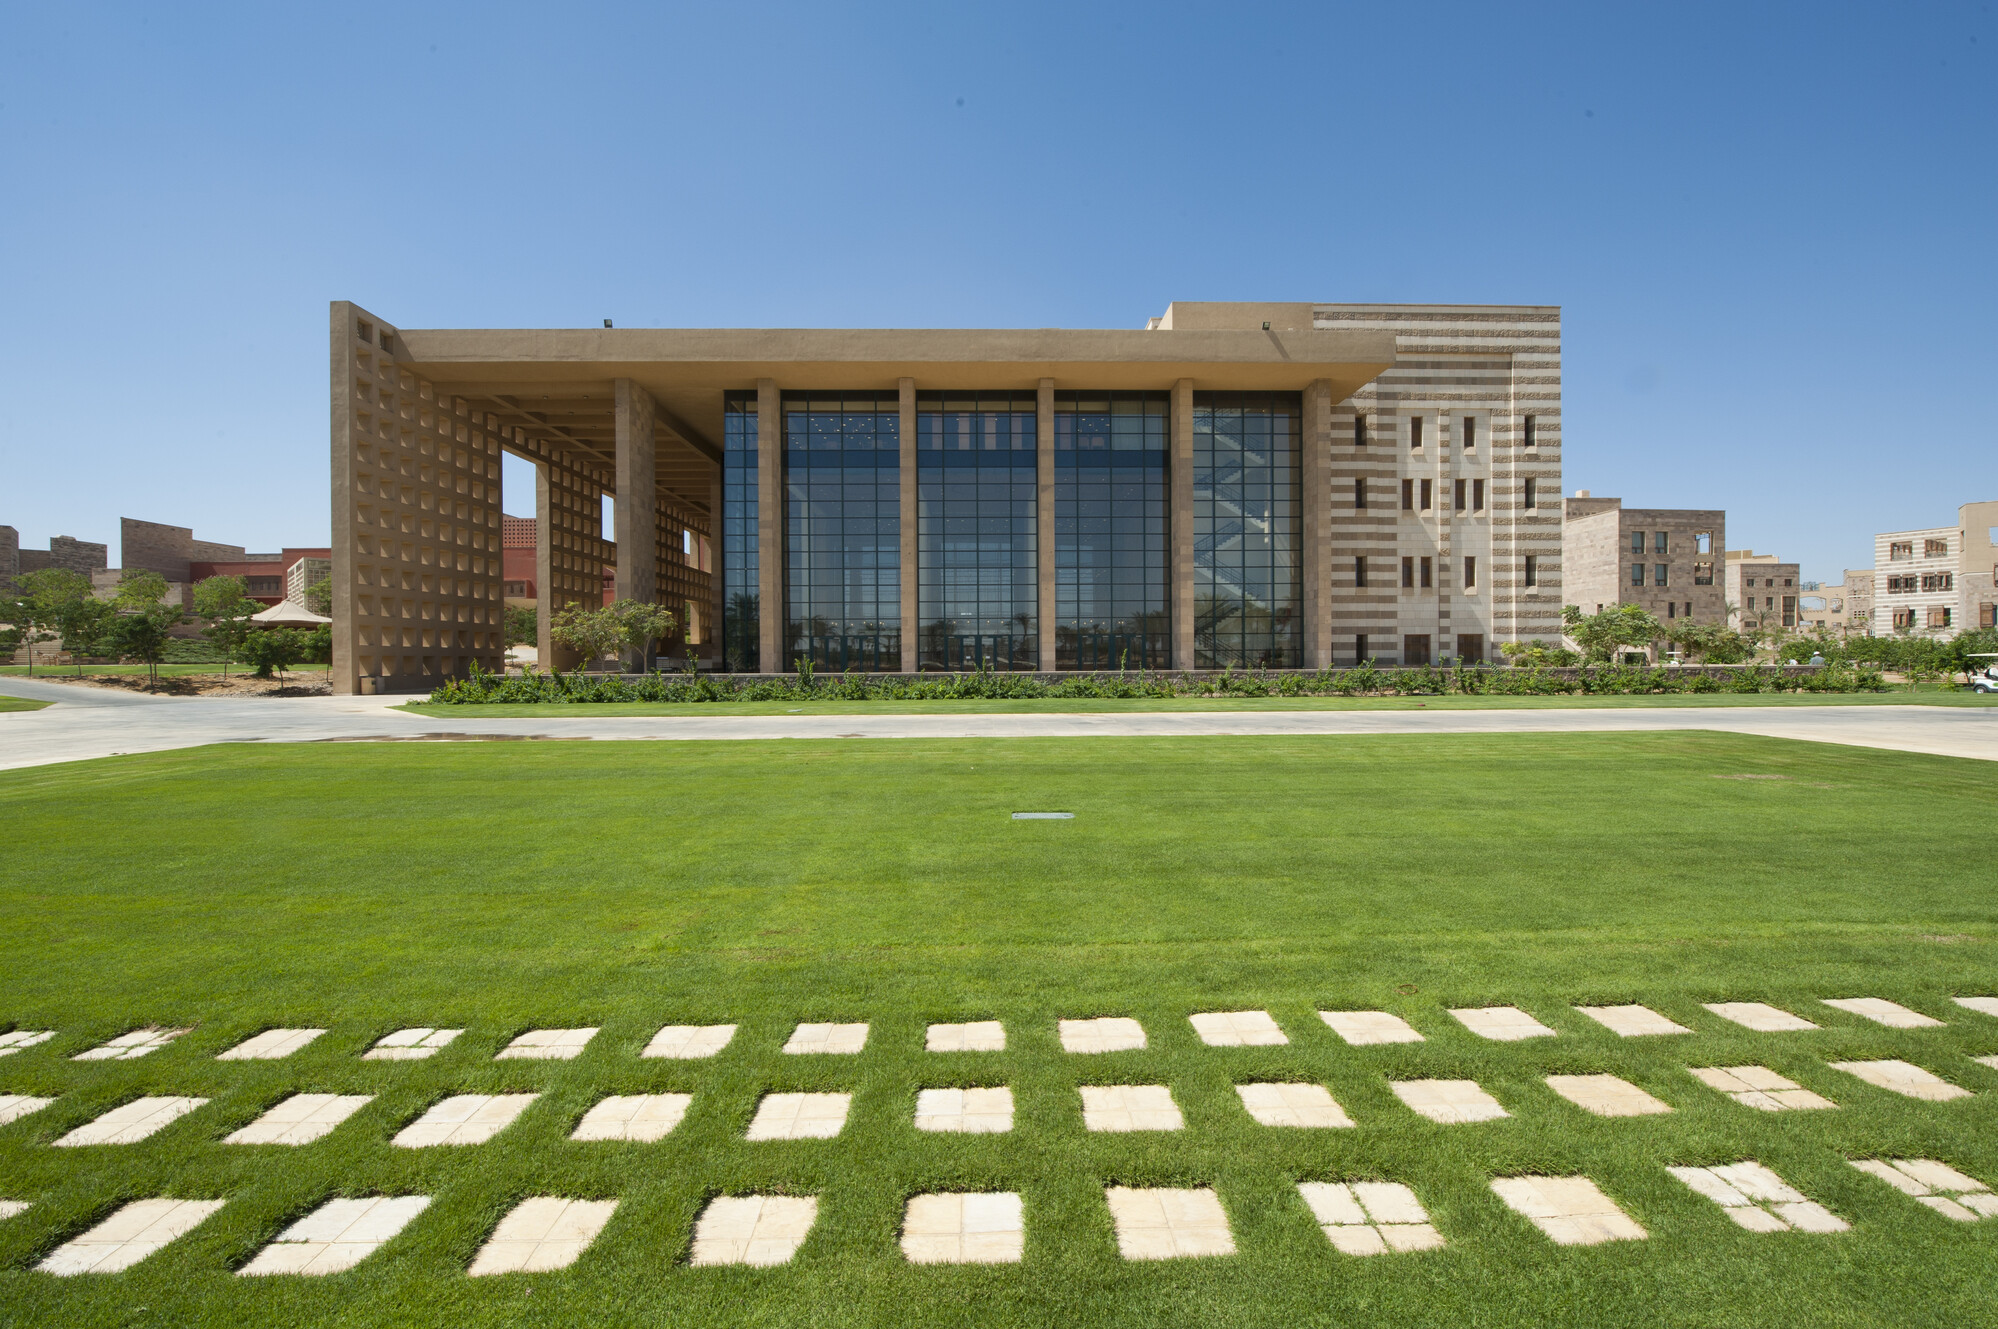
1771 227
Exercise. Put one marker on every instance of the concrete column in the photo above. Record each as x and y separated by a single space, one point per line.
910 516
1182 524
637 511
771 524
1044 526
1315 558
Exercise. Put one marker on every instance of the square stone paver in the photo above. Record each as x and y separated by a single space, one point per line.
753 1229
1109 1033
464 1119
13 1107
978 1036
1632 1021
1503 1024
1129 1107
1937 1185
1758 1087
1982 1005
1572 1211
1881 1011
1362 1027
1285 1104
1759 1200
542 1233
270 1045
689 1042
975 1227
1235 1029
126 1047
9 1208
1903 1078
128 1236
300 1119
799 1117
1168 1224
1992 1062
20 1040
1452 1102
547 1045
836 1039
970 1111
1369 1217
337 1235
1606 1095
640 1117
410 1044
132 1122
1759 1016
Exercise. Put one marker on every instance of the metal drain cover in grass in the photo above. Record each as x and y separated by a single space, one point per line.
1043 816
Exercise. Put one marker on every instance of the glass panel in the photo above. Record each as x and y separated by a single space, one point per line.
739 562
977 527
1112 554
842 542
1247 452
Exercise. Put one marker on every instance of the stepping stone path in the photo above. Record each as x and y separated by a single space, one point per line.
753 1229
1452 1102
799 1117
1572 1211
543 1233
20 1040
128 1236
837 1039
1758 1087
1937 1185
126 1047
1110 1033
271 1045
1369 1217
1606 1095
547 1045
1130 1107
1758 1199
977 1227
13 1107
689 1042
1168 1224
300 1119
1759 1016
1234 1029
1880 1011
1903 1078
1982 1005
464 1119
1502 1024
410 1044
1632 1021
132 1122
641 1117
1360 1028
969 1111
978 1036
1992 1062
338 1235
1292 1105
9 1208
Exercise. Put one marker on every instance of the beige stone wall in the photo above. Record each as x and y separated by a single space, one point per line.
1765 592
156 547
1978 565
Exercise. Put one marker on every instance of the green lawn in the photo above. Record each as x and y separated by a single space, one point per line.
364 888
20 704
174 670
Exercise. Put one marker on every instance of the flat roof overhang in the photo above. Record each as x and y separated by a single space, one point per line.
560 380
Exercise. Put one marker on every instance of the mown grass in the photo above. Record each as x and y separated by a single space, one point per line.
366 888
20 704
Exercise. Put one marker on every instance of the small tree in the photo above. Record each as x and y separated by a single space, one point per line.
597 634
270 650
226 604
61 605
523 625
142 620
319 597
1601 635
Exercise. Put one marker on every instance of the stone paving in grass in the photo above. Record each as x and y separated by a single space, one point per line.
1632 1021
979 1227
1370 1217
833 1039
547 1045
464 1119
336 1236
1606 1095
967 1111
1572 1211
1110 1033
540 1234
1129 1107
1361 1028
9 1208
128 1236
15 1106
642 1117
1452 1102
1982 1005
1880 1011
1235 1029
1308 1105
799 1117
271 1045
1759 1087
1502 1024
132 1122
1903 1078
752 1229
689 1042
1759 1200
1168 1224
978 1036
126 1047
300 1119
19 1040
1936 1185
1759 1016
417 1044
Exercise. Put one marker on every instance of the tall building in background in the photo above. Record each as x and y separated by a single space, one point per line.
1668 560
1938 582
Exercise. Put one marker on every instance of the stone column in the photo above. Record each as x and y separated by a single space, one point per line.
1044 525
1182 524
1315 558
771 523
637 511
909 550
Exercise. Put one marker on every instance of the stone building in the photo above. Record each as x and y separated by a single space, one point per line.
1764 592
1938 581
1667 560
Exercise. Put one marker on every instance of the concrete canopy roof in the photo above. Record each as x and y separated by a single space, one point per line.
559 381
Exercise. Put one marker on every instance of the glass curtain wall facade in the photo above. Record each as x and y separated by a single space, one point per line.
842 555
976 492
739 563
1113 555
1247 527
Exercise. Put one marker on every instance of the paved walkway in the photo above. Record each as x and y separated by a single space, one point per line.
94 722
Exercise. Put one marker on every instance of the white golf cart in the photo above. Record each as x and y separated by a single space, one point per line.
1984 675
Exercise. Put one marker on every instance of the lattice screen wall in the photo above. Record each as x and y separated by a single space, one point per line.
681 578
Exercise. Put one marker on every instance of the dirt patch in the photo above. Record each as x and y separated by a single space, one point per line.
200 685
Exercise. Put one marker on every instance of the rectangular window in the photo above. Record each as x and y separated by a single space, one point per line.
1359 431
1415 648
1470 431
1660 542
1360 648
1703 574
1408 495
741 632
1901 549
1112 550
1533 569
1703 542
1470 572
1415 423
1360 495
1428 487
1938 618
1904 618
1637 574
1658 574
1671 609
977 544
1477 495
1408 573
1527 433
1935 549
1532 493
1458 490
1789 611
1987 616
1247 597
1471 647
842 542
1637 542
1428 573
